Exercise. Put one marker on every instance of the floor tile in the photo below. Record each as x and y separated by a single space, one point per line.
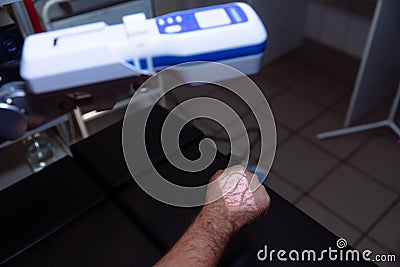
312 53
331 61
269 88
342 106
358 199
389 135
286 72
282 133
322 89
387 232
341 146
255 136
294 111
235 146
380 158
283 188
368 244
241 143
302 163
232 100
329 220
237 91
199 107
250 123
343 67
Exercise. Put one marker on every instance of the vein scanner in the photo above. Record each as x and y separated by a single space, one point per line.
231 33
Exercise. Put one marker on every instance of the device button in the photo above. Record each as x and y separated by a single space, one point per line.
170 20
173 29
10 46
135 24
161 22
178 19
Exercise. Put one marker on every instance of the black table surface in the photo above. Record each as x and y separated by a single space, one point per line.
87 211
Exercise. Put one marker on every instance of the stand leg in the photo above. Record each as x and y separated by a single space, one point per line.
395 128
354 129
395 105
389 122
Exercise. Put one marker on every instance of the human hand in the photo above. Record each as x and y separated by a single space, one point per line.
243 199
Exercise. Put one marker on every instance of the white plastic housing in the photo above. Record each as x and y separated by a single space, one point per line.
97 52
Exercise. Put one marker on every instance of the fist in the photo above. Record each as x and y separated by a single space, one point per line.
236 196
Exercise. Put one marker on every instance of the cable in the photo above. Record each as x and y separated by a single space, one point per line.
45 12
30 8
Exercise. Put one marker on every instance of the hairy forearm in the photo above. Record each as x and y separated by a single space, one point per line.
202 244
231 205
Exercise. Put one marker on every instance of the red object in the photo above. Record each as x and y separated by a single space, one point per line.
30 7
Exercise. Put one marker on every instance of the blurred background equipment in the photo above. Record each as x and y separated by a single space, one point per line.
58 14
11 43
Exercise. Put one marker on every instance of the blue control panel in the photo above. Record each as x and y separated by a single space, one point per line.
200 19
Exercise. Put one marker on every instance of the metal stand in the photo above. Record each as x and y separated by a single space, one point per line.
389 122
22 18
378 74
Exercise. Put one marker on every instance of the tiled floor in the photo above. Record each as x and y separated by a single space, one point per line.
350 184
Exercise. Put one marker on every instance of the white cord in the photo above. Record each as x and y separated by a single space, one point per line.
45 12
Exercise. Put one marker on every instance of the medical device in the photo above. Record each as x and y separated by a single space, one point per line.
96 62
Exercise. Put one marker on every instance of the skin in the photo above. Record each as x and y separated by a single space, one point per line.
205 240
